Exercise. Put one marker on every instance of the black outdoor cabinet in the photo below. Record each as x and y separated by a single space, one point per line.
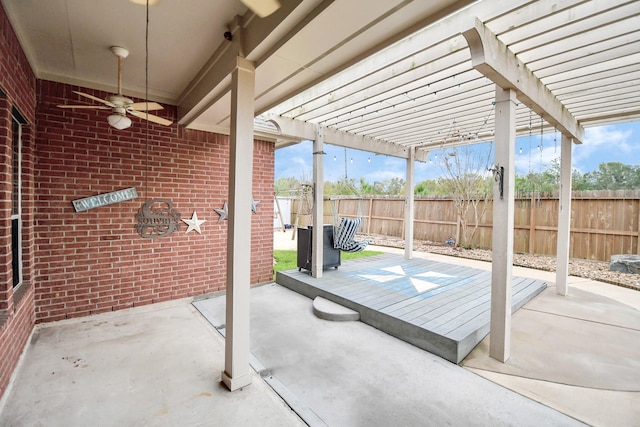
331 256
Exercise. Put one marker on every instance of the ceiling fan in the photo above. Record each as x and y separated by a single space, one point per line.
121 105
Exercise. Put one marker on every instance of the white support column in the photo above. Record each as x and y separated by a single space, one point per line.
503 217
317 260
409 205
564 217
237 372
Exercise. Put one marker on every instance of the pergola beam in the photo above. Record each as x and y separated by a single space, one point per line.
296 129
493 59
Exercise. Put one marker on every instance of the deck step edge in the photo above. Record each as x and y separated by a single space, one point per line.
329 310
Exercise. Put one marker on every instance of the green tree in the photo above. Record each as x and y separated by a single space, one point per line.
549 180
523 184
615 176
346 187
395 187
330 189
284 185
426 187
580 182
365 187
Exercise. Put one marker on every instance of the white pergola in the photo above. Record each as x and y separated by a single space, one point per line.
477 75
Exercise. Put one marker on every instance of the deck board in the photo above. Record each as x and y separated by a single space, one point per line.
446 300
440 307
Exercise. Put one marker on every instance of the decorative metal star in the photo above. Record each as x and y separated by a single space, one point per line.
254 206
222 212
194 223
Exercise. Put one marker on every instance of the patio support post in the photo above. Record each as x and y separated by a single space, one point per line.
409 205
564 217
237 372
317 237
503 215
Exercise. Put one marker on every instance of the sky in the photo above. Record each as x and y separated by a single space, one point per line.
613 143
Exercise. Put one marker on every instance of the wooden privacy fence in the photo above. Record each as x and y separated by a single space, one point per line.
603 223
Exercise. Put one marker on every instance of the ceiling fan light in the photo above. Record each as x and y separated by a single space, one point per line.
144 2
119 121
262 8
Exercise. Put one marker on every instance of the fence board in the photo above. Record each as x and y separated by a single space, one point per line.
602 223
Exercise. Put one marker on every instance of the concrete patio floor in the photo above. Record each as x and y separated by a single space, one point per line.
156 365
574 360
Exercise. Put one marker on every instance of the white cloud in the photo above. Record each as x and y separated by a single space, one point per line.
293 166
597 137
386 168
426 170
384 175
603 144
536 161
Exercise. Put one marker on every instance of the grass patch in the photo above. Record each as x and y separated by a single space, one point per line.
288 259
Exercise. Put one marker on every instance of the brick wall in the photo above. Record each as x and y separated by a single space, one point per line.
17 91
262 223
77 264
95 261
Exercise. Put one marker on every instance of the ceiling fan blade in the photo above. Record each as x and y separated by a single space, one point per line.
94 107
144 106
95 98
151 118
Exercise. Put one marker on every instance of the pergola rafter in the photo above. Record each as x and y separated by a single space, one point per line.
493 59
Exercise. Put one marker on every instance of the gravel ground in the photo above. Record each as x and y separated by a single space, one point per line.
595 270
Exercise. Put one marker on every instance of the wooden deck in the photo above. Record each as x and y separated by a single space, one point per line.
440 307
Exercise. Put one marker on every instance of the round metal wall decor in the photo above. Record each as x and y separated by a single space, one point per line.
157 218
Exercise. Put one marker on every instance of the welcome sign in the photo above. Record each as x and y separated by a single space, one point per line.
105 199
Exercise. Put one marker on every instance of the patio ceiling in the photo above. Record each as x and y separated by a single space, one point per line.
380 75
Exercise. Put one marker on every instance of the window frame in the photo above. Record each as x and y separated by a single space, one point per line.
16 199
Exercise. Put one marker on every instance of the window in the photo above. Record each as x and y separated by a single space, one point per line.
16 225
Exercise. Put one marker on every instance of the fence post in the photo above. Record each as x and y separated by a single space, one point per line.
369 215
638 234
532 226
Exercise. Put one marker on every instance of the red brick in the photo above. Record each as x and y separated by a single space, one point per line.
77 264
